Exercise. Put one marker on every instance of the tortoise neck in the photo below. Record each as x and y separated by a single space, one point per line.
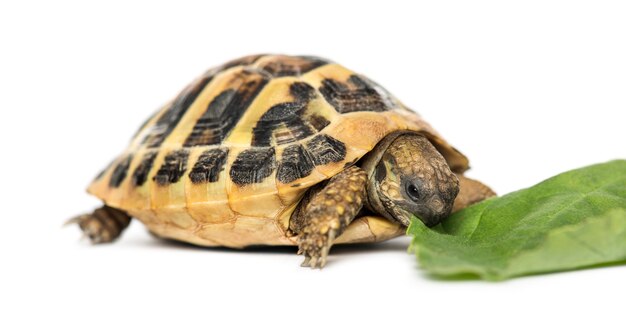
369 165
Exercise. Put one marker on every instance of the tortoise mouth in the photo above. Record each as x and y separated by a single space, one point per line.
431 219
387 208
403 215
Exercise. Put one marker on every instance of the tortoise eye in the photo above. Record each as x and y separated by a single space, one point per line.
413 193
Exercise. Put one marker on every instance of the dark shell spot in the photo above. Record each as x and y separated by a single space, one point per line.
288 122
225 110
173 168
295 164
283 112
318 122
211 128
209 165
356 94
140 175
120 171
291 65
253 165
325 149
302 92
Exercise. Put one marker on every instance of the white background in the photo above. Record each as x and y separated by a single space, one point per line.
526 89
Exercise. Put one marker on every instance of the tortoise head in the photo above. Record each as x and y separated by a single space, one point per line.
408 176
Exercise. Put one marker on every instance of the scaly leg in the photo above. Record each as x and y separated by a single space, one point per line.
326 214
470 191
104 225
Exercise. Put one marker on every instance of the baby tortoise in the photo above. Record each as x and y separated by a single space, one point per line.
281 150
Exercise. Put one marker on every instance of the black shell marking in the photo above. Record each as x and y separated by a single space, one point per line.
318 122
302 92
120 171
209 165
284 123
292 66
225 110
325 149
140 175
357 94
287 122
295 163
253 165
174 166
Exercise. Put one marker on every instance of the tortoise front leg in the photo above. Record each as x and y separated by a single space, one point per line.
326 214
103 225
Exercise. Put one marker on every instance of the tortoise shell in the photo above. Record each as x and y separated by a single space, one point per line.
227 161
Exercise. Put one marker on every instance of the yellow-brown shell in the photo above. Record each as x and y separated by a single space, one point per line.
227 160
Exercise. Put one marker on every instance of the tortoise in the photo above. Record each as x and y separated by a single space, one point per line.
281 150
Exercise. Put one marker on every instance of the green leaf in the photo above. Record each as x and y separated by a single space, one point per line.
573 220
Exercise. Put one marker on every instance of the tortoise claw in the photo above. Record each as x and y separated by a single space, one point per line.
74 220
306 262
315 246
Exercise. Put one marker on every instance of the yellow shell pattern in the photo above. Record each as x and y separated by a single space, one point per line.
227 161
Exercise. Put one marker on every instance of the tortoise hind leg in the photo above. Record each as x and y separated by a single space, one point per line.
103 225
470 191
